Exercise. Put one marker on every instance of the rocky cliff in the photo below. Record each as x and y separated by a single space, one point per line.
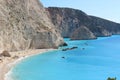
76 24
24 24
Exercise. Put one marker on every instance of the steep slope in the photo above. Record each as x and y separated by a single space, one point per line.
76 24
24 24
82 33
107 27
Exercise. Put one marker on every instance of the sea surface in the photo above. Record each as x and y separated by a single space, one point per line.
92 60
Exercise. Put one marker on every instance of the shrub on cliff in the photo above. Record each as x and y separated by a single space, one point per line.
111 78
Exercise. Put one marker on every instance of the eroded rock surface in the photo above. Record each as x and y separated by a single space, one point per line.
76 24
24 24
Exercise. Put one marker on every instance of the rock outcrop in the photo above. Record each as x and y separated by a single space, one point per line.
76 24
24 24
5 54
82 33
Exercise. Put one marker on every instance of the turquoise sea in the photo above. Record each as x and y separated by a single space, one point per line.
98 60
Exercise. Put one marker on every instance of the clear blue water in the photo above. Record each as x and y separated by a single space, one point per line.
99 60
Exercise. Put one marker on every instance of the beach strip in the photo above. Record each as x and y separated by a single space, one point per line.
8 62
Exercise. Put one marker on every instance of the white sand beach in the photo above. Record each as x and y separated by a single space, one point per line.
7 62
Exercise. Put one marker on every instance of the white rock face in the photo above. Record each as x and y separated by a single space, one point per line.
24 24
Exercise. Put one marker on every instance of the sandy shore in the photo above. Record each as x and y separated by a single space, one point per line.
7 62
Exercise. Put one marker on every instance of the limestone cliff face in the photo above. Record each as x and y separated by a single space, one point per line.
67 20
102 27
24 24
82 33
78 25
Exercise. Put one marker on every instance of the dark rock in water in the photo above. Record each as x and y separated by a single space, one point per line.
73 48
64 44
63 57
76 24
65 49
83 48
69 48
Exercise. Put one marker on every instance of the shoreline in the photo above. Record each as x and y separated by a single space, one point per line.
8 62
